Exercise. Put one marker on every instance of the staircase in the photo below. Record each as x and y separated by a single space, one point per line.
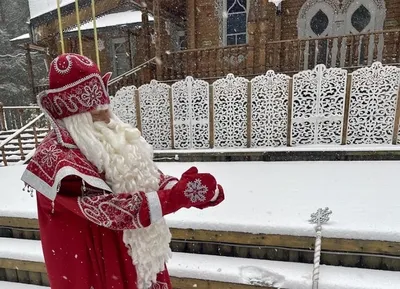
216 263
17 150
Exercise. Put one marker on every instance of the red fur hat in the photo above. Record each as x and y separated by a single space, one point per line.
75 86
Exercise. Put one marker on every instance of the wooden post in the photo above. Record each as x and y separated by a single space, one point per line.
145 40
346 110
290 113
35 136
253 31
2 118
157 32
277 37
138 114
191 24
30 71
21 149
249 118
396 120
3 154
211 106
263 38
130 49
171 115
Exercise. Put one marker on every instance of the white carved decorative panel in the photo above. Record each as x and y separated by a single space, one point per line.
123 105
191 113
269 109
373 104
230 112
155 114
318 106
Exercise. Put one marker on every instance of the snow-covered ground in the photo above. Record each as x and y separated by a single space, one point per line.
234 270
274 198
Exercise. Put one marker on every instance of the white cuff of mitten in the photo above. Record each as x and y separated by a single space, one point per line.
215 195
154 206
170 185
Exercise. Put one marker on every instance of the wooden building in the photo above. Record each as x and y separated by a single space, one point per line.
210 38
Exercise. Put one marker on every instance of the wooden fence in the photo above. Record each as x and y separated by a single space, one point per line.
15 117
314 107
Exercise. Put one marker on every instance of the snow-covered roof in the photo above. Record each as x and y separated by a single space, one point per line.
40 7
114 19
21 37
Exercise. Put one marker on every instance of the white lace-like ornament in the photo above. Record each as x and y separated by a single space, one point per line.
191 113
196 191
155 114
230 109
269 102
123 105
318 106
373 104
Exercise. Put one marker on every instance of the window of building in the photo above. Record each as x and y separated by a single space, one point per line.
319 22
236 22
121 57
361 18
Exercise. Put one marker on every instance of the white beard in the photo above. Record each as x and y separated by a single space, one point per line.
127 160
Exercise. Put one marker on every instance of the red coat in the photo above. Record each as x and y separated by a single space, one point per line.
82 254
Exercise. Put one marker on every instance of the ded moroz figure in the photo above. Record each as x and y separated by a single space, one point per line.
101 199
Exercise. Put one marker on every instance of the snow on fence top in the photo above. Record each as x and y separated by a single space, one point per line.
316 107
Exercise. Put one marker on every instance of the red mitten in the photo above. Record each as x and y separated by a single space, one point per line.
192 190
218 198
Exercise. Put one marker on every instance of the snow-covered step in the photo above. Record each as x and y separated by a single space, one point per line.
196 269
13 285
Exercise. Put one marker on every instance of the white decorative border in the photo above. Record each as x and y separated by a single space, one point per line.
154 206
51 191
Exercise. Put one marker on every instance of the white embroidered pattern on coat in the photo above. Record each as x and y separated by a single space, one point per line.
64 66
196 191
115 212
91 95
159 285
50 155
80 97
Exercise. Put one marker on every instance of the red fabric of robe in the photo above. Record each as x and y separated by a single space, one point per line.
79 252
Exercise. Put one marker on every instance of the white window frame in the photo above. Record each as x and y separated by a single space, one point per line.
225 22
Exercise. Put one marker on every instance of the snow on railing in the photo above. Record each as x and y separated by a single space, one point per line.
17 134
14 117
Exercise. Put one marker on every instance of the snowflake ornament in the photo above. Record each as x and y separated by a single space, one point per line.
321 216
196 191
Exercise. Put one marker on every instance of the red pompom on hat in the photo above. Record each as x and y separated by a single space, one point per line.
75 86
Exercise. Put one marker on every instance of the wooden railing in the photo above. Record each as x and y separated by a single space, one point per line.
350 52
208 62
287 56
33 124
15 117
133 76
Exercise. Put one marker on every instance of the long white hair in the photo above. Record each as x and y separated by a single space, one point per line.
119 150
